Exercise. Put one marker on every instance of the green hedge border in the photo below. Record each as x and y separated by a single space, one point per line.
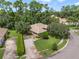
20 45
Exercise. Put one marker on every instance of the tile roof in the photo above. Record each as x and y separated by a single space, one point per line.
38 28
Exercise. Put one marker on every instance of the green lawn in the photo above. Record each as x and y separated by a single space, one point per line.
1 53
12 33
43 44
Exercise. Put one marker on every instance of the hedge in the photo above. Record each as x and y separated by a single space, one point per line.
20 45
44 35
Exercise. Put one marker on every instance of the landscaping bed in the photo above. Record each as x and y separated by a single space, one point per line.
45 46
62 44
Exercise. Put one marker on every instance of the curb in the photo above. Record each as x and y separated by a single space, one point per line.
48 49
60 42
60 49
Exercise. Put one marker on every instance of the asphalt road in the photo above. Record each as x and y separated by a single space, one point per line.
71 51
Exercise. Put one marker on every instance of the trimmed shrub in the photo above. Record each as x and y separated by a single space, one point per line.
44 35
20 45
54 47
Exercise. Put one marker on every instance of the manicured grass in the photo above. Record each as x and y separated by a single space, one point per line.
1 53
43 44
12 33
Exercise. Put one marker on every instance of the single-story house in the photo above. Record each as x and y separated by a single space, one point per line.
38 28
3 32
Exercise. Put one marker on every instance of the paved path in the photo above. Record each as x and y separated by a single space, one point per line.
71 51
10 50
31 51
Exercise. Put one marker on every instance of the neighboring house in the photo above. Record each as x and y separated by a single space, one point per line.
54 16
63 20
3 32
38 28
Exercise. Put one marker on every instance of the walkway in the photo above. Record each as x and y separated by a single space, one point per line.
71 51
31 51
10 50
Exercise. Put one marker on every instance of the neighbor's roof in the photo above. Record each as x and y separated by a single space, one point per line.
3 32
38 28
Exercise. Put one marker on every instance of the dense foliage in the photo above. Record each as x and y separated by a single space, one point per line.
11 14
22 27
58 30
70 13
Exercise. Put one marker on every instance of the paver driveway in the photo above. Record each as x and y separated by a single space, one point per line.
31 51
71 51
10 50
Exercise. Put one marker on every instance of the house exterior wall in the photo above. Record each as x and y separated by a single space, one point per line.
1 41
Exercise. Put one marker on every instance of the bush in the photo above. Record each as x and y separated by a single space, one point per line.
22 27
58 30
1 46
54 47
20 45
44 35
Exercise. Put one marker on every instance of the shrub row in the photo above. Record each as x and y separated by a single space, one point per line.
20 45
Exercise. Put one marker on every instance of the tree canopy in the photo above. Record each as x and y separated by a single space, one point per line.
17 14
70 12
